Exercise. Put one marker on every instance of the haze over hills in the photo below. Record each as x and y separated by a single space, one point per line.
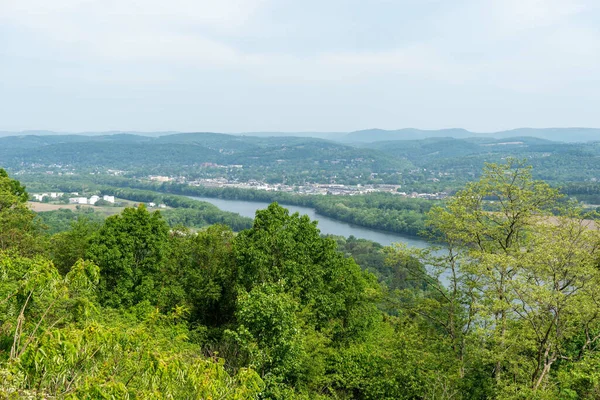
90 133
554 134
575 134
338 136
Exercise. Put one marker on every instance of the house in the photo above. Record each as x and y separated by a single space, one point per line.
151 205
110 199
94 199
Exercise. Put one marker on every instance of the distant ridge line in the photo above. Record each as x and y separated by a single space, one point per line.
572 134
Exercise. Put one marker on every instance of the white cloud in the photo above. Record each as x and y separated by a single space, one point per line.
532 47
518 15
418 61
121 30
220 14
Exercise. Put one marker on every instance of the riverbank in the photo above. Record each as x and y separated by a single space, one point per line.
382 212
328 226
378 211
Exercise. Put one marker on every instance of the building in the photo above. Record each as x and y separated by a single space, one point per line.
159 178
93 200
110 199
40 197
78 200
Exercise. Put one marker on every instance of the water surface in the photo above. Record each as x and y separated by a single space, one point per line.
326 225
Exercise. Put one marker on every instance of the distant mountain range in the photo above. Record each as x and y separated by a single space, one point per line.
554 134
378 135
104 133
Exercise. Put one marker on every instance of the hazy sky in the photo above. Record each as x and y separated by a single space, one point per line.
298 65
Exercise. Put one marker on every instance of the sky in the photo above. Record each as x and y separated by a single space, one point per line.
291 65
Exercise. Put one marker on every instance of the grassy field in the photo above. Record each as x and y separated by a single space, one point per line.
105 210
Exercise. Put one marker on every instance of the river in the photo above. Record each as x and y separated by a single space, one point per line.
326 225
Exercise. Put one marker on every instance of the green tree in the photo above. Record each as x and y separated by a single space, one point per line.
130 251
288 250
201 273
18 229
69 246
270 330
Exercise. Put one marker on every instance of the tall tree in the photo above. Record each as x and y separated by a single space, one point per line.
201 273
289 251
69 246
130 251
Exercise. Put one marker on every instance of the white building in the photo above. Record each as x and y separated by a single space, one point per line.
78 200
110 199
40 197
93 200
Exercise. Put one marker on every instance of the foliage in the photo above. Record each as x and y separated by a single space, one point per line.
54 342
288 250
130 250
522 272
71 245
505 306
396 273
62 220
18 229
200 273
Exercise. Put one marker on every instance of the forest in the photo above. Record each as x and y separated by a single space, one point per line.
505 306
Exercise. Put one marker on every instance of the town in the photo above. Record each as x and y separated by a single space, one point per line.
306 189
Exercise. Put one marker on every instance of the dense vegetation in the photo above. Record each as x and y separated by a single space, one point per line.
62 220
131 308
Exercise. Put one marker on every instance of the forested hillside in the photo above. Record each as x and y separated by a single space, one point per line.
132 308
174 154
